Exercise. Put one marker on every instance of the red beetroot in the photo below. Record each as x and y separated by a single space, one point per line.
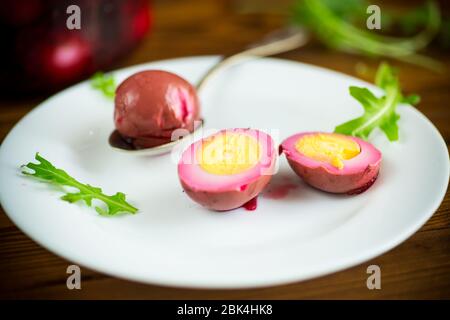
141 23
19 13
56 58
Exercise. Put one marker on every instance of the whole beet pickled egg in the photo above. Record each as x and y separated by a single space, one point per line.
150 105
333 162
226 170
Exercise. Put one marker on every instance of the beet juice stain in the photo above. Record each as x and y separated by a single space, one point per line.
279 191
251 205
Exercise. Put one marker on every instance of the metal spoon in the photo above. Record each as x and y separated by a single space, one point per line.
274 43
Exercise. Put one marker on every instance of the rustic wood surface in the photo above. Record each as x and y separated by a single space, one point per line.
418 268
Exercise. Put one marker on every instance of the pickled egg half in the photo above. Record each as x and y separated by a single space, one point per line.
333 162
227 169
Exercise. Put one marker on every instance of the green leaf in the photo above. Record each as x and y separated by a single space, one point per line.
365 97
333 23
414 19
44 170
378 112
348 128
412 99
390 127
385 76
105 83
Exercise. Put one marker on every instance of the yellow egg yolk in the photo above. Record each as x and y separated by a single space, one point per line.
330 148
228 153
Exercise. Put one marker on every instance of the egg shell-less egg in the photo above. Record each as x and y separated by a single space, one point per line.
358 174
151 104
226 192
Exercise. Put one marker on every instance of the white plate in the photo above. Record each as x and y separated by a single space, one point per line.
173 241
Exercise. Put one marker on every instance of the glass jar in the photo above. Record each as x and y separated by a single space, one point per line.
43 50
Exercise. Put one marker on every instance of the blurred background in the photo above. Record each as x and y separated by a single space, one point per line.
40 56
43 54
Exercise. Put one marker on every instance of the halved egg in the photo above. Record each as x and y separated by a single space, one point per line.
227 169
333 162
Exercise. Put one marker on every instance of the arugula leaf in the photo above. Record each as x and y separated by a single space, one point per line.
378 112
46 171
105 83
414 19
331 23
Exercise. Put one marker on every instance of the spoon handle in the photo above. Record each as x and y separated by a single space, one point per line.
277 42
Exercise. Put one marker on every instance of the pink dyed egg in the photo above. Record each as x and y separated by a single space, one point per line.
227 169
151 104
333 162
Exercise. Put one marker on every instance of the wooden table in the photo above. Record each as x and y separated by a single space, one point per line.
418 268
